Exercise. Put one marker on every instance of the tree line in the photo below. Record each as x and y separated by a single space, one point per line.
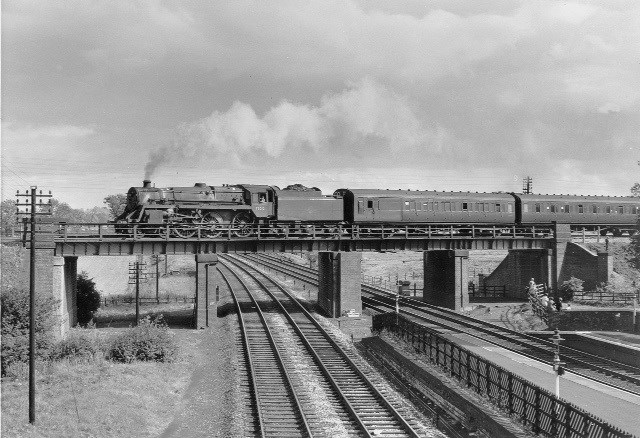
63 212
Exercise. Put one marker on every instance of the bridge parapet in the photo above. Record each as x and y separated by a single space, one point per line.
117 239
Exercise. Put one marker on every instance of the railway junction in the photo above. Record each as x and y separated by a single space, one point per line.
540 252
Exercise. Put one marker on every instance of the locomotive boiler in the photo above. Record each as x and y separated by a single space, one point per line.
235 207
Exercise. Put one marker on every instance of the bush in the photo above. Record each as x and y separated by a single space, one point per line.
79 344
15 326
149 341
569 287
88 298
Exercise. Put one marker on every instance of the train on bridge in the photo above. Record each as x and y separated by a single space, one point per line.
240 207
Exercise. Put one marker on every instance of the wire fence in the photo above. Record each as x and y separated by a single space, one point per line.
521 399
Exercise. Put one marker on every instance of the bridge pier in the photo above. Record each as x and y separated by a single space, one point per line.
205 290
56 277
339 275
65 290
553 266
446 278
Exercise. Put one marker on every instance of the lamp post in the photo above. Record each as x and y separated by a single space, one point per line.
558 366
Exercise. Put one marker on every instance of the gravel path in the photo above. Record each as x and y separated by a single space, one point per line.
212 405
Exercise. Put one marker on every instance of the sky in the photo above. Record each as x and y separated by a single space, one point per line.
431 95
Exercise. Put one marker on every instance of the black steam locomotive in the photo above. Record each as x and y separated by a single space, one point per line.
239 207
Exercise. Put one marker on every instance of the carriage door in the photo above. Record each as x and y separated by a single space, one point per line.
365 209
409 212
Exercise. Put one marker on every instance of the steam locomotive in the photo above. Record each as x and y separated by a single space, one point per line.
243 205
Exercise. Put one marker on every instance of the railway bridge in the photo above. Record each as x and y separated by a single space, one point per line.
539 252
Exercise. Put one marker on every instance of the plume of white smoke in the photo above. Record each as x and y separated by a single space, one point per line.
365 110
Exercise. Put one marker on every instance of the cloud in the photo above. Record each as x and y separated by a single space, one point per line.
513 87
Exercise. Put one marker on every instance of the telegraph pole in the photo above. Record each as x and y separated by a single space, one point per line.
31 208
157 278
527 185
135 269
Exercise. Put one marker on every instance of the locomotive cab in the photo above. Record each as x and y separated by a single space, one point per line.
261 199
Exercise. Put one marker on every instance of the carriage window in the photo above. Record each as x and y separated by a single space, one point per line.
465 206
634 210
607 209
567 209
270 196
498 208
369 204
406 203
436 207
553 208
447 206
390 204
620 209
580 208
594 209
510 208
538 210
526 208
486 207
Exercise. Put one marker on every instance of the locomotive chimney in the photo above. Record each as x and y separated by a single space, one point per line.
146 183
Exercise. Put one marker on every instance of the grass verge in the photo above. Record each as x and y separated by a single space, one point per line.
98 398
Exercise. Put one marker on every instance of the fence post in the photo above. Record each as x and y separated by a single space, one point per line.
536 407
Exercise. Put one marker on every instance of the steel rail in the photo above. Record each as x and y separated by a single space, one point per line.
583 360
579 359
275 351
247 351
341 396
342 354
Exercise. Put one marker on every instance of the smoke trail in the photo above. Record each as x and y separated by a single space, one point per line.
366 110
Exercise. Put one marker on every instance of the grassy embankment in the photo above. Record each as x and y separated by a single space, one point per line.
99 398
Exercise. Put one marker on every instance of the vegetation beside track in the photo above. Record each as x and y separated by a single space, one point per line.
92 396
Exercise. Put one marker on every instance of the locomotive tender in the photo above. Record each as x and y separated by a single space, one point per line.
243 205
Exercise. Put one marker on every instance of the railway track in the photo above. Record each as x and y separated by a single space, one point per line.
302 382
603 370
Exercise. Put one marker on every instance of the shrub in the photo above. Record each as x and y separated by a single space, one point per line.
149 341
15 326
79 344
88 298
569 287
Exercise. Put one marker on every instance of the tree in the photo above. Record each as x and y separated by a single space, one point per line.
8 217
570 287
115 204
97 215
88 298
63 212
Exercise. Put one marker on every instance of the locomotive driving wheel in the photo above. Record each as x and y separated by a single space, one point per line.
210 224
184 231
242 224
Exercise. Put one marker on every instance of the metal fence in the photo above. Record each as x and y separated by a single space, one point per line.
533 406
114 301
604 297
